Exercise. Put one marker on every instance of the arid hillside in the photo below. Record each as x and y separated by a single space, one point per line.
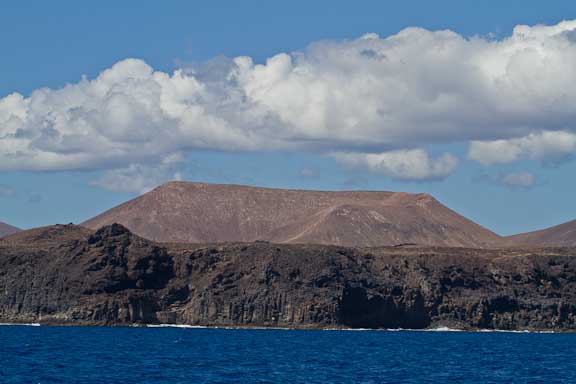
211 213
6 229
563 235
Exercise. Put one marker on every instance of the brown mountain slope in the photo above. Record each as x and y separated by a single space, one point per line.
6 229
559 235
47 235
203 213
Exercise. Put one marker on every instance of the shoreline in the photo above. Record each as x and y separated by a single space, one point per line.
442 329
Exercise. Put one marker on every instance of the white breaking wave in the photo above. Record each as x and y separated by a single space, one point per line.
21 324
443 329
440 329
513 331
175 326
212 327
436 329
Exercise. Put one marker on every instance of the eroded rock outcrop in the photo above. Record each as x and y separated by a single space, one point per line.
69 275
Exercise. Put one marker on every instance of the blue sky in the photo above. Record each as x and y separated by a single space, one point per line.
51 44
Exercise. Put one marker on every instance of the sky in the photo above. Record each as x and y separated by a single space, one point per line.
472 103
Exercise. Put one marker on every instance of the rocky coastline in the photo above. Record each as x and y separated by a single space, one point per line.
68 275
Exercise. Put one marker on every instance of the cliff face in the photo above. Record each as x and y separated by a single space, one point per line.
210 213
113 277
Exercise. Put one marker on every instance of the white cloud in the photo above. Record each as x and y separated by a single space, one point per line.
412 89
547 146
140 178
517 180
412 164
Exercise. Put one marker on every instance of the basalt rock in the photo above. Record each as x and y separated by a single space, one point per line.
69 275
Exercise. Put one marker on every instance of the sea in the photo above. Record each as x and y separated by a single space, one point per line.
43 354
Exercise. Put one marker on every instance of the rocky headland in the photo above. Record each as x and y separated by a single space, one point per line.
70 275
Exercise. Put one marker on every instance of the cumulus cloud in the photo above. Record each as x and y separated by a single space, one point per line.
412 164
547 146
140 178
371 94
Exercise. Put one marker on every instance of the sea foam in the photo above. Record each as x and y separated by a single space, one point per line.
21 324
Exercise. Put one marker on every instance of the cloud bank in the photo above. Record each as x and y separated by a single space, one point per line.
548 147
369 98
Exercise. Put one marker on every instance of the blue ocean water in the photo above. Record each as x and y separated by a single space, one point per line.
172 355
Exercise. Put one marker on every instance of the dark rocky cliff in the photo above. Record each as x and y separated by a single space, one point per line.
68 275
